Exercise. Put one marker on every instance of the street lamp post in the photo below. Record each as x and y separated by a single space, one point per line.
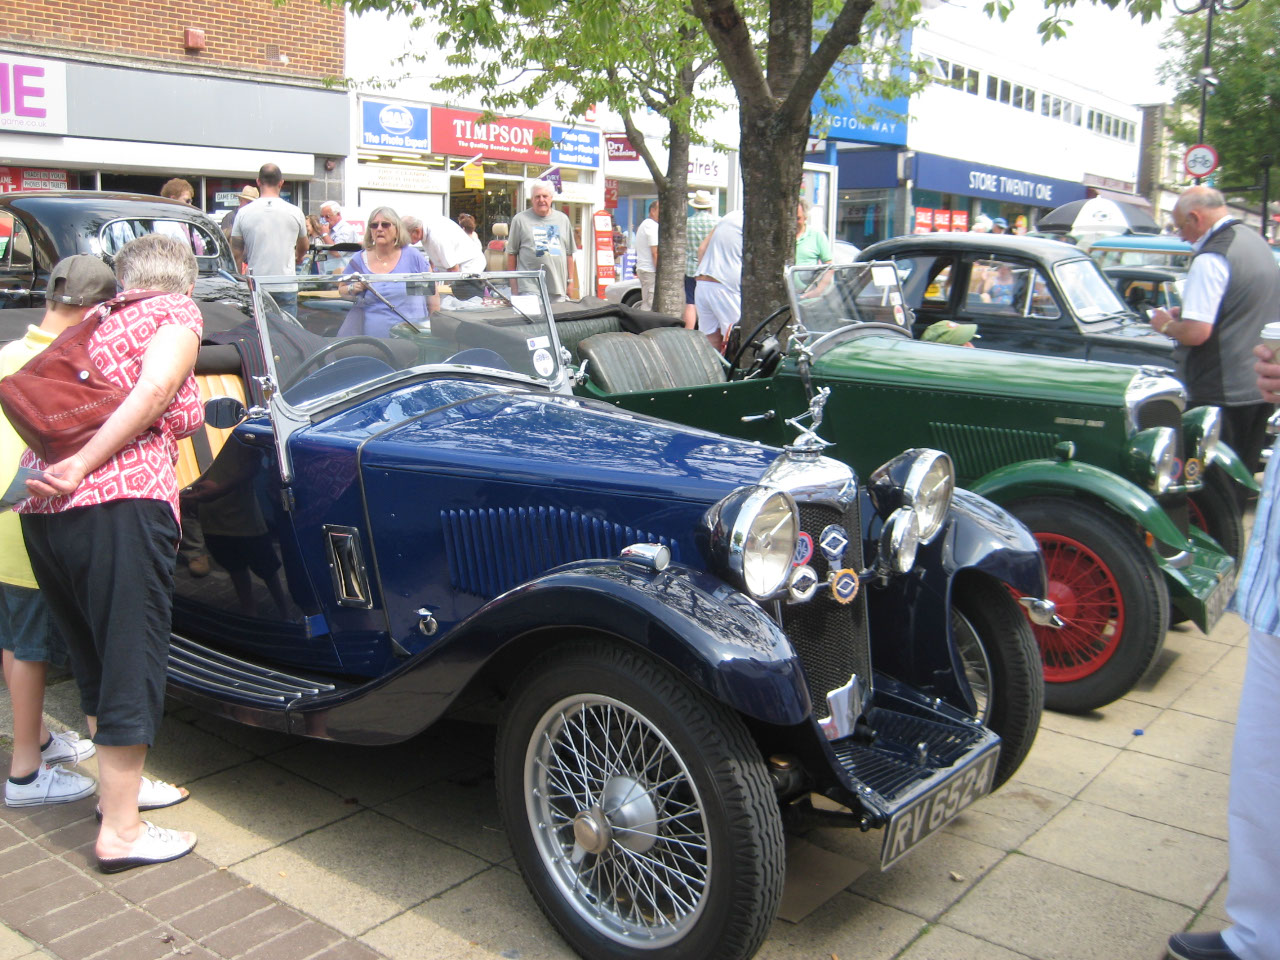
1207 79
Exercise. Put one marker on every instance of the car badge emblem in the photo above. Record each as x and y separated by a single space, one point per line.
1191 470
844 586
833 541
804 550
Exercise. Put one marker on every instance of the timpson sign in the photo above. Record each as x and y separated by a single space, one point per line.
460 132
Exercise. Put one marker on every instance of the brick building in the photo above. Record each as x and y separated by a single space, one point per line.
125 94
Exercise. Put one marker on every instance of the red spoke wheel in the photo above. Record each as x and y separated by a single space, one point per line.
1111 595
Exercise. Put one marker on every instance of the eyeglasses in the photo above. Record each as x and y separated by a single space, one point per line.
382 225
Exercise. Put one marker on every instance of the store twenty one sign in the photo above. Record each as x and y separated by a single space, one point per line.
33 95
460 132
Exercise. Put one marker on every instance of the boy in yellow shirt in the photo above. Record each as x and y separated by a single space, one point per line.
26 632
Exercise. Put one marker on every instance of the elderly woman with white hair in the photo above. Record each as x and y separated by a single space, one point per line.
102 528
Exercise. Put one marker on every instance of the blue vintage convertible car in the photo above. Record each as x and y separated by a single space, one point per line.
684 636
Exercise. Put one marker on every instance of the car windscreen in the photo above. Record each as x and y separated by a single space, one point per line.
337 335
1090 295
826 297
199 237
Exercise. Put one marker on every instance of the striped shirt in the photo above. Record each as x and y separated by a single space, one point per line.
696 229
1257 598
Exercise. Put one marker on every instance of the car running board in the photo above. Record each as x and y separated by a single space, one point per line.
200 670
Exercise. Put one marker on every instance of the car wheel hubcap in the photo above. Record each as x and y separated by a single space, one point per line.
617 821
1089 602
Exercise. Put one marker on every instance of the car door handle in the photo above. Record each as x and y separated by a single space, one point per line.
756 417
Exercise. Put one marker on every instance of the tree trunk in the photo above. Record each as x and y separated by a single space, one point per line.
772 157
673 200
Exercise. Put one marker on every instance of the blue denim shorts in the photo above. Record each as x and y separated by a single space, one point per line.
26 627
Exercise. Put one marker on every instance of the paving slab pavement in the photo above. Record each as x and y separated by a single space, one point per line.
1111 836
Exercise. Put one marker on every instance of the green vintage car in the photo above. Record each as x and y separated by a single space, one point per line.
1103 462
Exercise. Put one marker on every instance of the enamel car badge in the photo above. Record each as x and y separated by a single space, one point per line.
844 586
1192 469
833 541
804 550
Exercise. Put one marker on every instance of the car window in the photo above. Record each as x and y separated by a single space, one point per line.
828 297
117 233
1000 287
926 280
15 244
1087 290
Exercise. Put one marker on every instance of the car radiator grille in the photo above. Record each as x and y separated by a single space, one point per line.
491 551
1165 413
978 450
830 638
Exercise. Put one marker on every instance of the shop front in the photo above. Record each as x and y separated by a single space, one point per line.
949 194
67 126
426 159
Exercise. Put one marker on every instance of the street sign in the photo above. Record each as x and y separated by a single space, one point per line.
1200 160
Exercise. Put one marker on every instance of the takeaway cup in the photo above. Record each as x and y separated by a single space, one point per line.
1270 338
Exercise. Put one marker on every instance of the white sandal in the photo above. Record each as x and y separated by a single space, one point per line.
154 845
154 795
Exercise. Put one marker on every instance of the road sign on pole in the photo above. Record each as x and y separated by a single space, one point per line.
1200 161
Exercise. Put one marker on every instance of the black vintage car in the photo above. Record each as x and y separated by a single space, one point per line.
1144 288
1027 295
39 228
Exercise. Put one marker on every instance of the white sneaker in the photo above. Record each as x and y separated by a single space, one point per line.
51 785
67 747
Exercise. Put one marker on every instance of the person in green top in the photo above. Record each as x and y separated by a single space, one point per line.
812 245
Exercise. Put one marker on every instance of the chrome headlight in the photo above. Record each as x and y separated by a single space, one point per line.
900 540
923 481
754 532
1201 431
1153 454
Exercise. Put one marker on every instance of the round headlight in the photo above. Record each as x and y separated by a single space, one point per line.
901 539
928 488
1202 431
1154 454
754 535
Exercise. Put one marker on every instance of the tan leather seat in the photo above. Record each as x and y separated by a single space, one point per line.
198 451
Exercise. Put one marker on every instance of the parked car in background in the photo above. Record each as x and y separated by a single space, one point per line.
680 635
39 228
1026 295
1101 461
1160 250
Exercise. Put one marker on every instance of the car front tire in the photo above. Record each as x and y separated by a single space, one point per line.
640 811
1112 595
1001 662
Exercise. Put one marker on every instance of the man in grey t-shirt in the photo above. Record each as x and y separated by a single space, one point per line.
542 239
271 235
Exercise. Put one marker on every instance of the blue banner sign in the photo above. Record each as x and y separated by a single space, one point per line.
575 148
966 179
864 118
395 126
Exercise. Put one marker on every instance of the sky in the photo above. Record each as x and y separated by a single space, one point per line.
1106 50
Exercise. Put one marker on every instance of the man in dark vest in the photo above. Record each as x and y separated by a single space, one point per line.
1232 290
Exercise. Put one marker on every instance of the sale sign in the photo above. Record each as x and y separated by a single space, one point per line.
603 226
959 221
924 220
942 221
460 132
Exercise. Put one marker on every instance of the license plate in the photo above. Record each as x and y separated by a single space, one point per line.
939 806
1216 602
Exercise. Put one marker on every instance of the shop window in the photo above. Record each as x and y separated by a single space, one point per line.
993 87
1029 100
1006 91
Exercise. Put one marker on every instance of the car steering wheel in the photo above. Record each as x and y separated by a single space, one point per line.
766 360
316 356
755 332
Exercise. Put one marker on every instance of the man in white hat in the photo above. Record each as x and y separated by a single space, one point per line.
246 196
697 228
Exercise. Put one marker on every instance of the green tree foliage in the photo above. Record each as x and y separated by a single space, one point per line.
1242 120
631 55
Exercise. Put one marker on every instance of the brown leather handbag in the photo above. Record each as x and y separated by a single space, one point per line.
57 401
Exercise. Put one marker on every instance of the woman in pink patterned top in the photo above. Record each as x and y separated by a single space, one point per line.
102 528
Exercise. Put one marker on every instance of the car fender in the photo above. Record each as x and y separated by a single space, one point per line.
1229 461
714 635
985 537
1036 478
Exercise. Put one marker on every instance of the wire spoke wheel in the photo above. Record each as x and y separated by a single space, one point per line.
618 820
1088 600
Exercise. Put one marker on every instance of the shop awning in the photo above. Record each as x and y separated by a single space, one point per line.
1132 198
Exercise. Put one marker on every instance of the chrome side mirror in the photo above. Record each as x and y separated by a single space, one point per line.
223 413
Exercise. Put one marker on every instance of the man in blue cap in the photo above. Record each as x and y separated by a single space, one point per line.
999 225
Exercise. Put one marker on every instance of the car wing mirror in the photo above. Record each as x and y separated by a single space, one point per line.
223 413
